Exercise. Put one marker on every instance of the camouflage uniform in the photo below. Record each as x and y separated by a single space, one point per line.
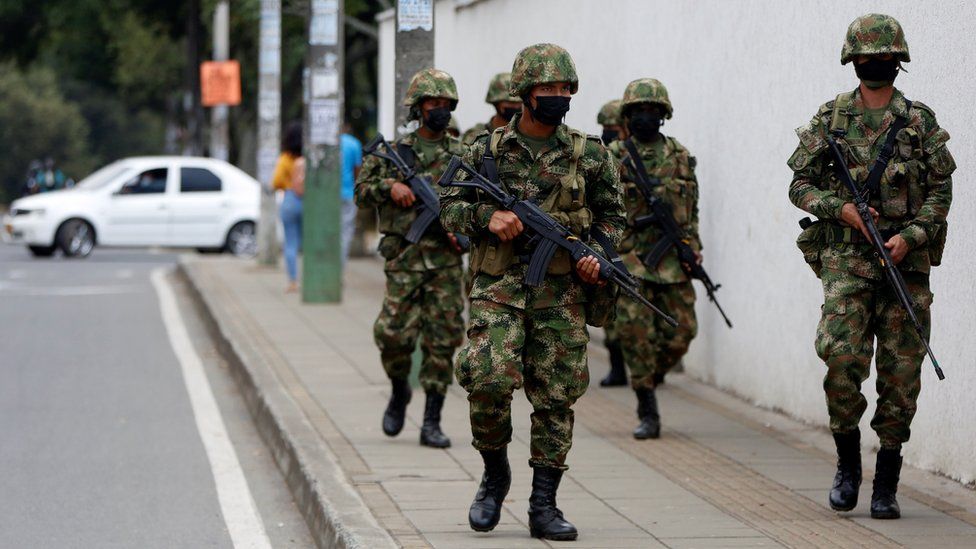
651 346
498 91
519 334
423 280
859 306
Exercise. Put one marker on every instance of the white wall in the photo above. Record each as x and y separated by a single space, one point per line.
742 75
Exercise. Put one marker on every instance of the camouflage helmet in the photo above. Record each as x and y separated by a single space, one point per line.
498 89
874 34
430 83
609 114
541 64
646 90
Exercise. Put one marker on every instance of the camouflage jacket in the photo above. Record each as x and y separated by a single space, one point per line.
675 167
373 185
915 191
530 177
470 136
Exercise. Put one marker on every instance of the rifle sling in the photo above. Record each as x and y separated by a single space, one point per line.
643 179
872 186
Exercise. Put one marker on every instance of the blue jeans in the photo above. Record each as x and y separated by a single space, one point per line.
291 218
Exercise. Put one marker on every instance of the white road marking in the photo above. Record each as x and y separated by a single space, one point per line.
7 288
240 513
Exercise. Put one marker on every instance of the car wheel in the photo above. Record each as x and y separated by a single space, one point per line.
242 240
76 238
42 251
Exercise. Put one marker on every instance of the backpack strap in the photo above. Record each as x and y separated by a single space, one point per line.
841 114
496 138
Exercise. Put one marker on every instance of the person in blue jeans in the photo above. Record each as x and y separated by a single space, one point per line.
289 176
352 159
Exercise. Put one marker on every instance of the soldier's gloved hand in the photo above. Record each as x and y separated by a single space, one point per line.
505 225
402 195
850 217
588 269
897 247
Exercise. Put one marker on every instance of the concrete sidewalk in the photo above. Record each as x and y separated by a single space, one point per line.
724 474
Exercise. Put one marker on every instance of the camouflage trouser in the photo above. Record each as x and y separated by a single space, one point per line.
652 347
856 311
427 304
610 331
546 350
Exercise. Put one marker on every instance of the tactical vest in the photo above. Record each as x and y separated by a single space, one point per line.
566 204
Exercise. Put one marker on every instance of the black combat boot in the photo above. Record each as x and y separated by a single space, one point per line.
843 494
618 374
545 519
397 408
650 420
486 509
884 505
430 432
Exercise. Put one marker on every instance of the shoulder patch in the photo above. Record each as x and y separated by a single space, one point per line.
924 107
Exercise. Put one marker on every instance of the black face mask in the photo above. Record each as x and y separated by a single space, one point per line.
609 136
508 113
550 109
877 73
645 125
437 119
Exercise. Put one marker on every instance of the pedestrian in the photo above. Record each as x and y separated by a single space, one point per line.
505 104
531 336
613 129
609 120
895 149
285 179
352 160
651 347
423 280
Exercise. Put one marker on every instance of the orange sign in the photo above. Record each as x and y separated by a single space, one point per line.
220 83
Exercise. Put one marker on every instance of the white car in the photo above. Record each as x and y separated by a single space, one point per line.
147 201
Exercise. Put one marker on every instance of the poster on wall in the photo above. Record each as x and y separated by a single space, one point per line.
415 14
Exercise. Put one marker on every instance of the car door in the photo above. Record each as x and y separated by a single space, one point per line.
138 211
198 208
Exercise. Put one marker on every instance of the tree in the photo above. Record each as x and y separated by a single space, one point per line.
36 122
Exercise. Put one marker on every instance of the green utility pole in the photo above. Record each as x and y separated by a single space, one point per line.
321 241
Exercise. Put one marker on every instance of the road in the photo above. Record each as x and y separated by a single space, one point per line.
101 438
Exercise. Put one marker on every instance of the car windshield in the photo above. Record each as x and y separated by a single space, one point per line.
102 177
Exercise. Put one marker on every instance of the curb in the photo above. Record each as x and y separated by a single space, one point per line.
336 515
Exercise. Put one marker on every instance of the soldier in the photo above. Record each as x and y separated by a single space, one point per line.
910 204
609 118
518 334
423 280
505 105
652 347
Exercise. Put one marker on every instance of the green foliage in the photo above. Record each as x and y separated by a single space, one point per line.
35 122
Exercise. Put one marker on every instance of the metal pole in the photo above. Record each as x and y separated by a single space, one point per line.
219 132
321 242
414 48
269 126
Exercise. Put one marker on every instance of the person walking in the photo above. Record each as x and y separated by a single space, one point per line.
531 336
286 179
423 298
896 152
352 160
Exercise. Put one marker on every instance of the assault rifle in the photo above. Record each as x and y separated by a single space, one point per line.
891 272
546 235
674 237
428 203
